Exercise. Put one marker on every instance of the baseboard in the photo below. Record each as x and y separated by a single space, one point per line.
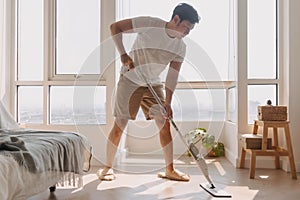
231 157
269 163
261 162
285 165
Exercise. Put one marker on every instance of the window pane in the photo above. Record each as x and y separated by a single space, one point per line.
78 105
30 40
30 104
261 39
197 104
211 48
232 105
78 36
258 96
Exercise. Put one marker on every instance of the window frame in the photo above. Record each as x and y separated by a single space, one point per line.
278 81
49 76
51 79
50 40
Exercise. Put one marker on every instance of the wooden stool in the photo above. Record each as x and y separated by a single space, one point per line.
276 150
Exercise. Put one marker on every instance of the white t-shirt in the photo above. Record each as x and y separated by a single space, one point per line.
153 49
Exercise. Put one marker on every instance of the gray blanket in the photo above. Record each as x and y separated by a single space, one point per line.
15 147
41 151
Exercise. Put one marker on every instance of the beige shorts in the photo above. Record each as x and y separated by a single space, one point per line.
130 97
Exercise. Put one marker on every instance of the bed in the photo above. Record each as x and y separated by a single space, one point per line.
34 160
31 161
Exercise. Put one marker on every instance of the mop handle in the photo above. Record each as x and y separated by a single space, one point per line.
199 158
150 87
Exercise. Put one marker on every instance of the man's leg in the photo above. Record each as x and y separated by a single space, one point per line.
111 149
167 145
166 141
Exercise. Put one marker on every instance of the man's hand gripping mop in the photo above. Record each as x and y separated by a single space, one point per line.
208 187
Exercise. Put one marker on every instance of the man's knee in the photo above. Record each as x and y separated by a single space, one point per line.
163 124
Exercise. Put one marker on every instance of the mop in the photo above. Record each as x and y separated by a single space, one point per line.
198 157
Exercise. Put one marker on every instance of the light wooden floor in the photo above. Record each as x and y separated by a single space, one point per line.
145 185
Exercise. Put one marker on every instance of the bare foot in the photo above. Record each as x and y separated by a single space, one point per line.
106 174
174 175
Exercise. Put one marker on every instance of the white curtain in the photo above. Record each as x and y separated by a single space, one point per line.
6 119
2 46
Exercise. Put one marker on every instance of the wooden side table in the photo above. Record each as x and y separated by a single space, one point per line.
276 150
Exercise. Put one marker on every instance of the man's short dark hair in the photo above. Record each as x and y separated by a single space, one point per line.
186 12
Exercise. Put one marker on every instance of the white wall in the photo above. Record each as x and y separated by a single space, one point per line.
143 137
231 142
1 42
294 77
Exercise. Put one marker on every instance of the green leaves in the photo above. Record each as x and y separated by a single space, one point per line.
200 134
208 141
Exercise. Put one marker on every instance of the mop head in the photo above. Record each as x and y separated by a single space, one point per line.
211 189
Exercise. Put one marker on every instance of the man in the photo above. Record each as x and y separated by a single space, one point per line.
157 45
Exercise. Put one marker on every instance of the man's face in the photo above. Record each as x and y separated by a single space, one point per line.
184 27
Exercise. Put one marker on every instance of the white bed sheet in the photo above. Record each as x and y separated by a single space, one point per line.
17 183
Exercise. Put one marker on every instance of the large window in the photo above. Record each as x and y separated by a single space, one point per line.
207 59
263 76
55 40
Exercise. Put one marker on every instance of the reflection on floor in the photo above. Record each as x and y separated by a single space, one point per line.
137 180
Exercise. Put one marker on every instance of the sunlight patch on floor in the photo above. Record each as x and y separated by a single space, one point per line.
264 176
241 192
220 168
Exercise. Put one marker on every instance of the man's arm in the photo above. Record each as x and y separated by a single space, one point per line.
171 82
117 29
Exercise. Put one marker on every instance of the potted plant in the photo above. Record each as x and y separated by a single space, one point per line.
200 137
